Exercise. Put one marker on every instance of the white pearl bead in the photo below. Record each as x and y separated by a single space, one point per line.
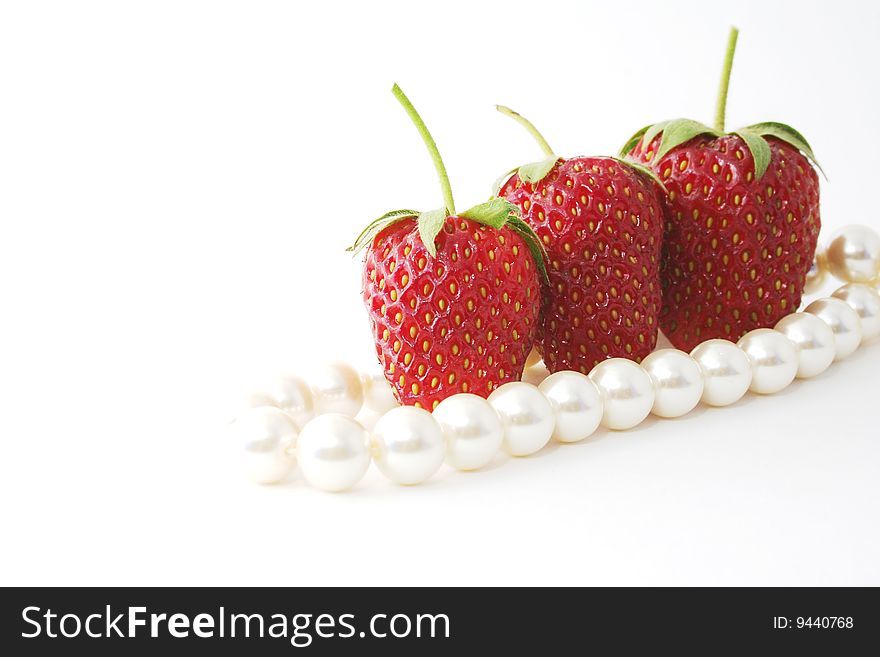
853 254
817 274
678 382
265 435
814 340
627 392
291 395
577 405
408 445
337 389
727 372
472 430
333 452
774 359
844 322
526 415
866 302
378 393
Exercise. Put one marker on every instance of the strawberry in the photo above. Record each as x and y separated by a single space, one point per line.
601 222
742 220
453 299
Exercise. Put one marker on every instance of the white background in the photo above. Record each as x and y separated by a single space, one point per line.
177 183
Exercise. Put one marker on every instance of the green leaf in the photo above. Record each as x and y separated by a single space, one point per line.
536 248
535 172
501 182
680 131
528 173
759 148
430 224
494 212
377 226
632 141
644 170
789 135
652 132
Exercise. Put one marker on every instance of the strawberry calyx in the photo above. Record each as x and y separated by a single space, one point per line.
676 132
535 172
680 131
496 213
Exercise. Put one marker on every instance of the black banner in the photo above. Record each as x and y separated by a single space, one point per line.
111 621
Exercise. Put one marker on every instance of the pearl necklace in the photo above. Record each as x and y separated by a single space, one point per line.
313 424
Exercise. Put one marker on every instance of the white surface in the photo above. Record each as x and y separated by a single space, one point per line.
178 182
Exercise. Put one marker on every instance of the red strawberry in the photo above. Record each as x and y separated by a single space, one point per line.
601 222
742 222
453 299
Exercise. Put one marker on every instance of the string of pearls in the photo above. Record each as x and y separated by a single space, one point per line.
313 424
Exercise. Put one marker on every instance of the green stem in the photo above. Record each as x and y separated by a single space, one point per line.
431 146
721 106
528 125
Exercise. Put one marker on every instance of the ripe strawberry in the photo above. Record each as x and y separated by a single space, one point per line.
742 220
601 222
453 299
